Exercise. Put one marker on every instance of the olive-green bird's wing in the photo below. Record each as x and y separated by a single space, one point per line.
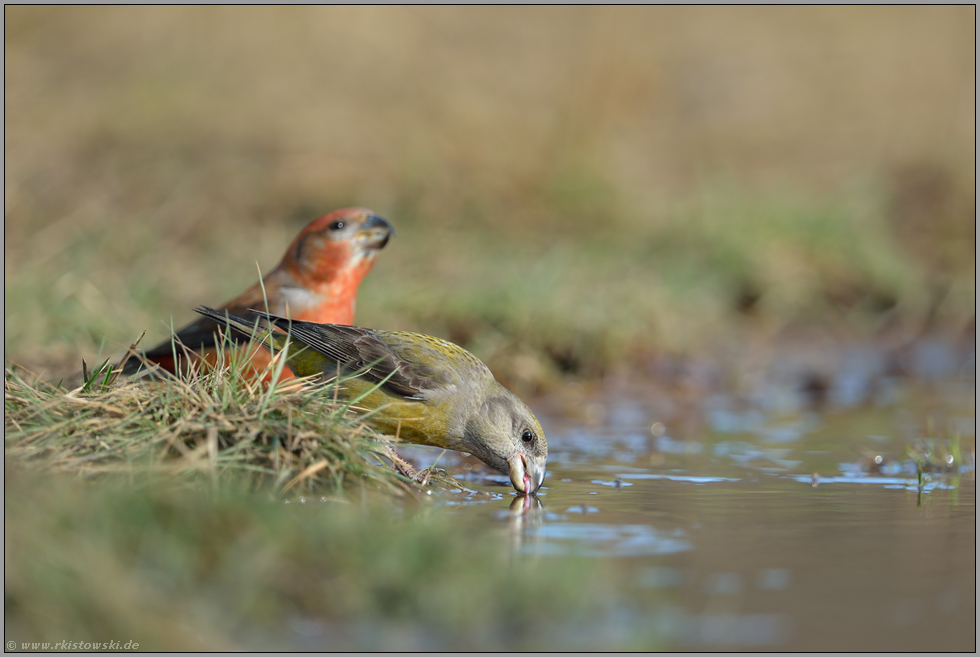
407 364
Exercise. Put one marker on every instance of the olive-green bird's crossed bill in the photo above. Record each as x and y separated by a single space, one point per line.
424 390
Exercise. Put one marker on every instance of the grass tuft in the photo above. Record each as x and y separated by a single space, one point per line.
217 424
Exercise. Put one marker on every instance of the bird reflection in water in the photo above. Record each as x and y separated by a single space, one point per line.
525 515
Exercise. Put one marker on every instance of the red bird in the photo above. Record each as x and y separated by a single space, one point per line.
316 281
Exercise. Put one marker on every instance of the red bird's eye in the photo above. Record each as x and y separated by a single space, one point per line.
337 225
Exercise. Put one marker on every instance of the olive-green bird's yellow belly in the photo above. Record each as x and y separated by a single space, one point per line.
411 421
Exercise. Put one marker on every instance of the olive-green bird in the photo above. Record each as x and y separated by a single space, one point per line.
425 390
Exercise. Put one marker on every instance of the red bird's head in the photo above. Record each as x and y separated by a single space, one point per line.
339 247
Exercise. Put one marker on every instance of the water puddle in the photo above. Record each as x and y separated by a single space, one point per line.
849 528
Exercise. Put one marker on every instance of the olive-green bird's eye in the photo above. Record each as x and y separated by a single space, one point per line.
527 436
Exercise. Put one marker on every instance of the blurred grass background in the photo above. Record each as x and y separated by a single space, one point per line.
573 188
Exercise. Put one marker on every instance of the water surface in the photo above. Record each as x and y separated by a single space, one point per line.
778 528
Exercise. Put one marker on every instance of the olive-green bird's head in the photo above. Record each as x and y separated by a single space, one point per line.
503 433
424 390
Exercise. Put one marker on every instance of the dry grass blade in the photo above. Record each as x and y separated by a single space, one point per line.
131 352
111 410
309 472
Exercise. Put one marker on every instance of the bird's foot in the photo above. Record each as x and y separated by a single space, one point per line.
403 467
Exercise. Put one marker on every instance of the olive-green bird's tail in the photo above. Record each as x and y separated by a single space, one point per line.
259 328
